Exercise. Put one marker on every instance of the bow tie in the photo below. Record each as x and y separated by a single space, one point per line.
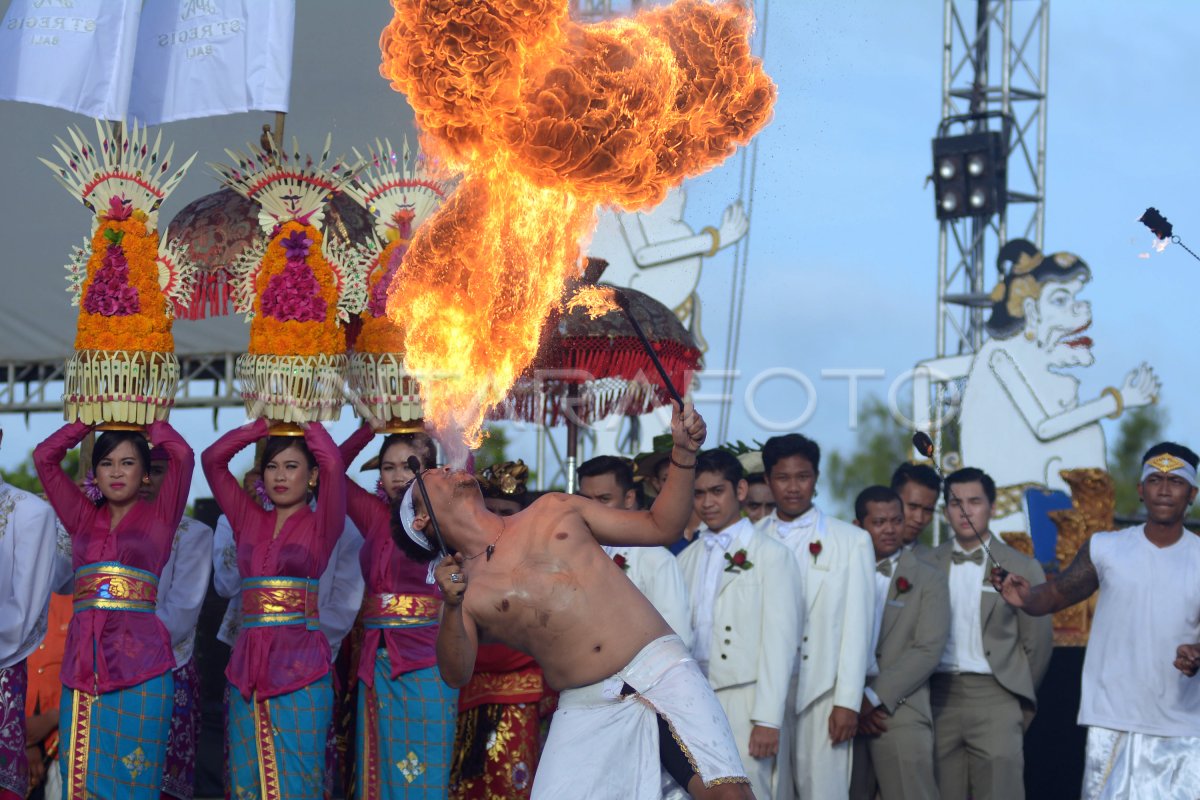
720 540
884 567
959 557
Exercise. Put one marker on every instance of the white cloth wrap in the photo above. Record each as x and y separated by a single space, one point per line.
1184 470
1121 765
604 745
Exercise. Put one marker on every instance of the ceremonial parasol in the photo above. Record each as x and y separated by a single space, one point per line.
587 369
214 230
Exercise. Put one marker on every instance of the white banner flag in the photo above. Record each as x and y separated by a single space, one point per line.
202 58
72 54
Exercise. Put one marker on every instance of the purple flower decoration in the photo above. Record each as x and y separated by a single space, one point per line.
296 245
260 493
91 489
380 493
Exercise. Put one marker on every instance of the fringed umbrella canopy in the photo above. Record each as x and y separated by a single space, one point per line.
588 369
217 227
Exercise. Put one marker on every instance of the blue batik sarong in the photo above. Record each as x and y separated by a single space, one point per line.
114 744
405 734
277 745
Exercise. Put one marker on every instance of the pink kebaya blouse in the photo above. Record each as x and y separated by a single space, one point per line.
388 571
105 649
271 661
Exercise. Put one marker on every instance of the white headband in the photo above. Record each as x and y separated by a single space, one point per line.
1169 464
408 513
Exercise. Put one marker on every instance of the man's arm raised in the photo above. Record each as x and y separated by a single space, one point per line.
458 638
1074 585
664 522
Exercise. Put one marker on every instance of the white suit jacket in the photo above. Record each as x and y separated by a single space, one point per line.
839 610
756 623
655 572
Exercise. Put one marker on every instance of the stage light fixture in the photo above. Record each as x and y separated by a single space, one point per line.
970 175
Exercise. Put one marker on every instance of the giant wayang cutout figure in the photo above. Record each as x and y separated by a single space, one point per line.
1022 418
656 252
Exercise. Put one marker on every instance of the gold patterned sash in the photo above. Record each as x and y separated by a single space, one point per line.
112 586
280 601
389 610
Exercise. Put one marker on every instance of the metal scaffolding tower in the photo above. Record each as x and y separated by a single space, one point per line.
994 76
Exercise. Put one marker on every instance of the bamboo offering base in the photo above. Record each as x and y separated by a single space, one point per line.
383 385
292 389
128 387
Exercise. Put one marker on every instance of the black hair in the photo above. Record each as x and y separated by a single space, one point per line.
420 442
608 465
873 494
755 478
111 440
1026 260
970 475
277 444
1172 449
778 448
921 474
721 462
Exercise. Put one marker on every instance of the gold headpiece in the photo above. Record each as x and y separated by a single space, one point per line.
1165 462
505 480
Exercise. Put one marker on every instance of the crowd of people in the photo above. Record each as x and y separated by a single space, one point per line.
690 623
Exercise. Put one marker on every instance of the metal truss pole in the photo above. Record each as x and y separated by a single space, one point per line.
983 40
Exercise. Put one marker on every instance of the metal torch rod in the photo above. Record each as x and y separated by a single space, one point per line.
623 302
415 466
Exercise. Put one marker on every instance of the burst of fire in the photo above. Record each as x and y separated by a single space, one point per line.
546 119
596 301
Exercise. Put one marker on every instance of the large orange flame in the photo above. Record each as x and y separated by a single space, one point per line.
546 119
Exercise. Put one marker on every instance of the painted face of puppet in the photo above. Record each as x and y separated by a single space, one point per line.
1058 321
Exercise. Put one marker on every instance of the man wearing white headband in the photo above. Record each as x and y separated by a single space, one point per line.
1142 713
632 701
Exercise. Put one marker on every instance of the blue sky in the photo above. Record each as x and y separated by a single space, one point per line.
844 240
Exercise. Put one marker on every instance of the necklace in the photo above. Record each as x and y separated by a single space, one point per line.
491 548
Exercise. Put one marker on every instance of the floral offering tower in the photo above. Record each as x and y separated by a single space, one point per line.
297 286
397 188
124 279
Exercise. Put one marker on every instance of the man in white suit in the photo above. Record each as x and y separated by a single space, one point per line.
745 614
835 567
653 570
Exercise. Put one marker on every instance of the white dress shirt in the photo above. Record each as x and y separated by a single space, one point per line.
183 584
27 564
716 545
964 650
882 584
797 533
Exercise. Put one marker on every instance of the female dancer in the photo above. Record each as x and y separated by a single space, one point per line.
405 727
280 711
116 671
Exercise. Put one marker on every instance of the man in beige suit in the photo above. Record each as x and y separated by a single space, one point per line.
893 752
984 690
918 487
745 614
834 572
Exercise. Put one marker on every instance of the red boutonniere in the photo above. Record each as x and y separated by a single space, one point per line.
738 562
814 549
621 561
902 585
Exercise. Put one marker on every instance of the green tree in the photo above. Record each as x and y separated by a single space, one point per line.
23 476
1140 428
494 449
882 443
